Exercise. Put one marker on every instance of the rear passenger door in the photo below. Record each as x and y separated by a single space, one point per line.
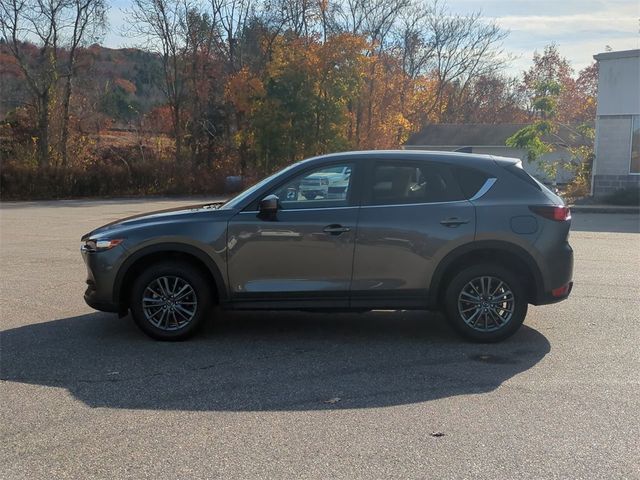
412 212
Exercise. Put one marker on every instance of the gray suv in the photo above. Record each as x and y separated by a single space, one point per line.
473 235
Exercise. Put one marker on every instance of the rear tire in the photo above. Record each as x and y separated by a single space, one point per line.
486 303
170 300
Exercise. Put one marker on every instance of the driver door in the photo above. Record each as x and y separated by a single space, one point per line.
302 256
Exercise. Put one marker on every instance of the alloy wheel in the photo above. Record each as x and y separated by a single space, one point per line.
486 303
169 303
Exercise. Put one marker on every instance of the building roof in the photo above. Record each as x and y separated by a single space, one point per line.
619 54
482 135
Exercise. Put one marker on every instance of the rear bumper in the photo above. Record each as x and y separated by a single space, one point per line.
558 277
549 297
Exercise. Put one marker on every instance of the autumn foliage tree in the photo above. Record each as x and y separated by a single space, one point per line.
246 86
556 99
57 28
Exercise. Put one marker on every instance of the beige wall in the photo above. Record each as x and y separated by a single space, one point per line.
613 145
619 83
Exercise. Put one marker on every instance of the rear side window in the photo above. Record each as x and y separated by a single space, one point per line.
400 182
469 179
522 175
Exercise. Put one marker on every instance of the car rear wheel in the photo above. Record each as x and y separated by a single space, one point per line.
486 303
170 301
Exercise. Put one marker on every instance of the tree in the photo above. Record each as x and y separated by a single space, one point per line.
164 27
491 98
88 20
552 93
52 25
575 99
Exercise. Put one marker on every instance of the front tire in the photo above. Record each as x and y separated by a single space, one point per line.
170 300
486 303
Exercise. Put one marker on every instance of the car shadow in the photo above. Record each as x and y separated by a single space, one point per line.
271 361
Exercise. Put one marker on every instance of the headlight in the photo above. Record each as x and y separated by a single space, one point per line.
93 245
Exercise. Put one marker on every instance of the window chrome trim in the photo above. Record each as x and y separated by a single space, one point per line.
484 189
412 204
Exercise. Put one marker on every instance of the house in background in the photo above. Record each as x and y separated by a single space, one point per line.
490 139
617 163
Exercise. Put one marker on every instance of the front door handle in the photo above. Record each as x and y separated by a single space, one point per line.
454 221
335 229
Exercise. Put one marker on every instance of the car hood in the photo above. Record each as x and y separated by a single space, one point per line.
211 210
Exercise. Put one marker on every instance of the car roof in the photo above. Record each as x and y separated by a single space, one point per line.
468 159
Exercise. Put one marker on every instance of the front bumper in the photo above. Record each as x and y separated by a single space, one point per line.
93 302
101 272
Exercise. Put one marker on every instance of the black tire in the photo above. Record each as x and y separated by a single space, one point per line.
198 302
490 330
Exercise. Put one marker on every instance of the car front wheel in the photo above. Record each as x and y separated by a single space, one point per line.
170 301
486 303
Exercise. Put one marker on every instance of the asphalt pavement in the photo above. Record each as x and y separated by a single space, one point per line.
300 395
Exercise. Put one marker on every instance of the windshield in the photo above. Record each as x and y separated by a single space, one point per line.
238 199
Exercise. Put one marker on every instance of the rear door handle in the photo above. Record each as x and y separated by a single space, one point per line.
335 229
454 221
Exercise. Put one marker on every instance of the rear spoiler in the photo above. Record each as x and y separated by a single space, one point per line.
507 161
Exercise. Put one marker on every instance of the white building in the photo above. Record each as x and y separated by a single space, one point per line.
617 163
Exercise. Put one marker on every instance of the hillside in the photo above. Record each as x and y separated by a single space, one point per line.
115 84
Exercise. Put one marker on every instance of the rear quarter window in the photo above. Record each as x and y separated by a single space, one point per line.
469 179
523 175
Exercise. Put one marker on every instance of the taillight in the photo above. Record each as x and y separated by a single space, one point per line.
559 213
562 291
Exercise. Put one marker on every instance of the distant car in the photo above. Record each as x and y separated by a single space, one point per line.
321 184
470 234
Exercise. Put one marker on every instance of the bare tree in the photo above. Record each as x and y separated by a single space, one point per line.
163 27
233 17
460 48
52 25
22 21
298 17
87 20
371 18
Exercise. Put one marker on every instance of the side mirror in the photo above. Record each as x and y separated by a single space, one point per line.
268 206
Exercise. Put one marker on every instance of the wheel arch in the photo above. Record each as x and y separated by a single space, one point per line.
144 257
507 254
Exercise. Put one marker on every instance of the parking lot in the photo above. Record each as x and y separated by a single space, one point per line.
300 395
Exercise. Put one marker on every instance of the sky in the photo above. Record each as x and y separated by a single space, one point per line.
580 28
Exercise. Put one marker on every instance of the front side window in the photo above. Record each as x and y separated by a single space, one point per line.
635 144
398 183
324 187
